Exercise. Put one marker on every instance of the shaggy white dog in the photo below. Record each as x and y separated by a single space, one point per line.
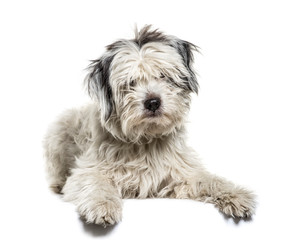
130 143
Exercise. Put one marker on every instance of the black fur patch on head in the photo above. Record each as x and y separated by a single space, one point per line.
185 49
146 35
116 45
98 82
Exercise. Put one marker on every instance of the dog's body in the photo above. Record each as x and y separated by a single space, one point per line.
130 143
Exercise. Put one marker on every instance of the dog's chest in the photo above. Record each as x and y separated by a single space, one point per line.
138 171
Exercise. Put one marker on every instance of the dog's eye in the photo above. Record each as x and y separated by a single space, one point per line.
162 75
132 83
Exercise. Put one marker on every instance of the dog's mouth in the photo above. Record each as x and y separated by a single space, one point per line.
158 120
152 114
151 124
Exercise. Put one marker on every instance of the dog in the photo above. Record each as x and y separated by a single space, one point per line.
130 142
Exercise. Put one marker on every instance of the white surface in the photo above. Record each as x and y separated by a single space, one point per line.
245 123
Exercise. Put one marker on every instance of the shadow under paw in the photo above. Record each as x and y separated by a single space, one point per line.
96 230
235 219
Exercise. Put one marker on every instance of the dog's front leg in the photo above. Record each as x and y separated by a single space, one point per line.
234 201
94 195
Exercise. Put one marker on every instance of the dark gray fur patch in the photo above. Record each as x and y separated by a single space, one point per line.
185 49
98 81
116 45
146 35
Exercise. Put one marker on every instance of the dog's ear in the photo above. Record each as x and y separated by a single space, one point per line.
98 84
185 49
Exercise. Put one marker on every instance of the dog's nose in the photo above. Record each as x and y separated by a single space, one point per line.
152 104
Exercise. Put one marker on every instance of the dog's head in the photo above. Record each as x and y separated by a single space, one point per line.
143 85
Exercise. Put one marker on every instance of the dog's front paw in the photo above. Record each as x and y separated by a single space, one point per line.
237 203
104 213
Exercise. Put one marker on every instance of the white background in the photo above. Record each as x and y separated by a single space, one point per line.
245 122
